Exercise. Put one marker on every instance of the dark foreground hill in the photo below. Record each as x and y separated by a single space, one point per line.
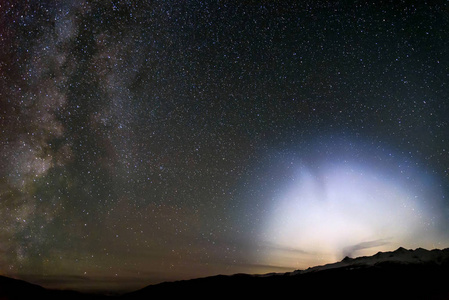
13 289
401 274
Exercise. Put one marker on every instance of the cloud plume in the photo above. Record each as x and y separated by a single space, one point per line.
350 250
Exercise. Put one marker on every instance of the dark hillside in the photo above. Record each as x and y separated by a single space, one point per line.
396 279
401 274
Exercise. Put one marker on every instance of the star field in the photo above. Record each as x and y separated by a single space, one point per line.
143 142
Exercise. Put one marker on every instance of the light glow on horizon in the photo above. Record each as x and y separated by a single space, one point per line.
331 210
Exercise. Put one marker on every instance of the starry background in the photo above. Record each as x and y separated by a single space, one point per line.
163 140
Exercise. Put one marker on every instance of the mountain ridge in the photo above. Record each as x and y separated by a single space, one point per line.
399 274
400 255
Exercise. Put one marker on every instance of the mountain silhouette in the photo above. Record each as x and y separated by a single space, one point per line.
399 274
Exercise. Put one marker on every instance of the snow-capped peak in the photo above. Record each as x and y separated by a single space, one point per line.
399 256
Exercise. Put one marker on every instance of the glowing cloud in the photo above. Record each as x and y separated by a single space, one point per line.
348 208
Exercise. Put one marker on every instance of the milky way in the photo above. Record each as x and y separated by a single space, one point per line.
171 140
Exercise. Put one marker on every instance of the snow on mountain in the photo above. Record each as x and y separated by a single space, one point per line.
399 256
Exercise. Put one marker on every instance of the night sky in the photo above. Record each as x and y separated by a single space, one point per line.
149 141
